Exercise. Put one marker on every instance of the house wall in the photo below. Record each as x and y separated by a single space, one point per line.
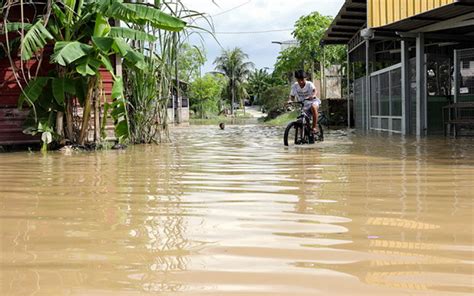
384 12
11 119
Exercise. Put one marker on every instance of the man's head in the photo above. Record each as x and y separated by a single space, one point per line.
300 76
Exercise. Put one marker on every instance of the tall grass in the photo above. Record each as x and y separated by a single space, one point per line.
150 91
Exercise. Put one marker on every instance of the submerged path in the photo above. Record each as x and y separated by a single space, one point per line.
233 212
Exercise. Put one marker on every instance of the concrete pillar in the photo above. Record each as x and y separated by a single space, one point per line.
405 83
421 121
348 90
365 109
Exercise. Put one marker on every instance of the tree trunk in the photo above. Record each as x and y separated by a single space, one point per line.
60 115
233 98
87 109
60 125
97 127
69 120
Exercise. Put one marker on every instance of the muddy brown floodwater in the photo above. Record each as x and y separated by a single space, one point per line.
234 212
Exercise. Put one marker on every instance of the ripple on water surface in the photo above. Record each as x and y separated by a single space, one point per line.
234 212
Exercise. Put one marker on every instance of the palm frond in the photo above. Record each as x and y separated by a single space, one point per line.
131 34
66 52
14 26
34 40
143 14
33 91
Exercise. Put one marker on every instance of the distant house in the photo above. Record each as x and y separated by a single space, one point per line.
411 63
286 44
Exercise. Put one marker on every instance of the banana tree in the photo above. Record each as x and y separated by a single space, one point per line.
84 42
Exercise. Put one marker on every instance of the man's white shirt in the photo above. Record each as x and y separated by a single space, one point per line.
302 93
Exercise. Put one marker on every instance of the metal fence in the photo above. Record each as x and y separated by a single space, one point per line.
386 99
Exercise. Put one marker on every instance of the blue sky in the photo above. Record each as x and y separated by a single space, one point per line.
254 16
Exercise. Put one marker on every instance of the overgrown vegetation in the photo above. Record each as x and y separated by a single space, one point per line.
64 100
206 94
274 100
308 54
170 64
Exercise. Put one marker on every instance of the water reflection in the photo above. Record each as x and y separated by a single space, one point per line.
233 212
110 220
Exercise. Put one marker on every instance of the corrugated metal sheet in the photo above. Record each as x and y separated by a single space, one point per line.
350 19
432 16
385 12
11 127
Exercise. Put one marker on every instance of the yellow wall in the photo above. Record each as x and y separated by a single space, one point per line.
384 12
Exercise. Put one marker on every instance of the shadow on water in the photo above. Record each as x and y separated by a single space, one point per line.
234 212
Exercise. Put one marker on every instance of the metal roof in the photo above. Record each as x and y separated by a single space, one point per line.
431 17
353 16
350 19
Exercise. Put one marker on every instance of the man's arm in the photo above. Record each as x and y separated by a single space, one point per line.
314 93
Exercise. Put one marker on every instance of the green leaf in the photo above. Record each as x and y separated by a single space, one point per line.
85 69
117 89
88 66
102 27
157 18
66 52
60 87
34 40
81 89
107 64
133 57
131 34
33 90
142 14
14 26
136 59
117 111
121 130
58 90
104 44
58 13
121 47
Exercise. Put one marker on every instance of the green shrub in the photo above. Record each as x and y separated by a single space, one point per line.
274 100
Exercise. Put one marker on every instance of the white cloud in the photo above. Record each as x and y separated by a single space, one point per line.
255 15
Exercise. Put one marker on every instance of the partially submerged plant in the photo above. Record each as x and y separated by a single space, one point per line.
84 43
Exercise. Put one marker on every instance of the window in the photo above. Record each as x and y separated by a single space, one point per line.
439 76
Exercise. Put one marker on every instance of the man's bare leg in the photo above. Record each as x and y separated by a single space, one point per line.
314 110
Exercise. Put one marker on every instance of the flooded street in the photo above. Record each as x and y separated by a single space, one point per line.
234 212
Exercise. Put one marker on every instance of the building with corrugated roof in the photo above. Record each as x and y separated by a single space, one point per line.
411 64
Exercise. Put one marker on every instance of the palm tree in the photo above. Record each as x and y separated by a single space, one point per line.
259 81
233 64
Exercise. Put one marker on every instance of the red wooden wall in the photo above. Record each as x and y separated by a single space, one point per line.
11 118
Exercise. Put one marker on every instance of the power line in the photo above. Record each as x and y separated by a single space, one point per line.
231 9
254 32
